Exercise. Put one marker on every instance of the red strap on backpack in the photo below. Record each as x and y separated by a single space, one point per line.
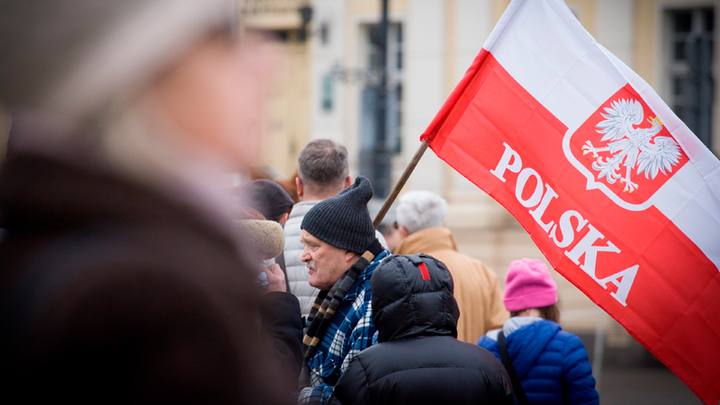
424 271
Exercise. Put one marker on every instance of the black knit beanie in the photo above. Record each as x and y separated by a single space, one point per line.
344 221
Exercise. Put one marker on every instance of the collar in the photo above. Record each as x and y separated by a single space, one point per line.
513 324
427 240
301 208
364 277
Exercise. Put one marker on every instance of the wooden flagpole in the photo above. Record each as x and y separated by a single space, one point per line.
401 182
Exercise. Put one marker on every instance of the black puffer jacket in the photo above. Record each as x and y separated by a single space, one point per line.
419 360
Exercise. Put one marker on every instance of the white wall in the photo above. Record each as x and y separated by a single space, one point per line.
614 27
424 85
327 124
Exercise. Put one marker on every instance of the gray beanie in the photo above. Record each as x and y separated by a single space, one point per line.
344 221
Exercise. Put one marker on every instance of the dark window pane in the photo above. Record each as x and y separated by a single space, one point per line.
691 76
677 86
679 50
324 34
375 35
327 93
680 111
708 20
374 61
682 21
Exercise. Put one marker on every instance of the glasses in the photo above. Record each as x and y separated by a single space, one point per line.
395 225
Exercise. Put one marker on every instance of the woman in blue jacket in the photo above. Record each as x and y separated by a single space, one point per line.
551 364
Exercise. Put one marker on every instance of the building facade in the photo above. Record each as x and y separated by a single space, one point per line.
670 43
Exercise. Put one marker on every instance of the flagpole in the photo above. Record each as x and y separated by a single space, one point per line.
399 185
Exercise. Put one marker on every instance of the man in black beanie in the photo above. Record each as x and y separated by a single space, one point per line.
341 252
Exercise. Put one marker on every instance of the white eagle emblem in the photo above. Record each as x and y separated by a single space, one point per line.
631 147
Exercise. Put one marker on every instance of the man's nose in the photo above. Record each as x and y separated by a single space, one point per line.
305 256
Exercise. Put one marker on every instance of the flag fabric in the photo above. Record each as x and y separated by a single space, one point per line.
620 196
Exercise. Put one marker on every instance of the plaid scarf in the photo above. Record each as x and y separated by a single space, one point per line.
327 302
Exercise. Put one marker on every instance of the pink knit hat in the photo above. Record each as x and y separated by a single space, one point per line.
528 285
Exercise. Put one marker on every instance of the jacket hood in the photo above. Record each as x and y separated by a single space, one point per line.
413 296
527 343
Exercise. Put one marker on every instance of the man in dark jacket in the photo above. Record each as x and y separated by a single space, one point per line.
419 359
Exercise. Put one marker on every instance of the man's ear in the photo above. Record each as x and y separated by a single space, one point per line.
284 218
348 182
350 255
299 185
403 231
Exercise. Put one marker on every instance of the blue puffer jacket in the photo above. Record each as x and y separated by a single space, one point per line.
552 364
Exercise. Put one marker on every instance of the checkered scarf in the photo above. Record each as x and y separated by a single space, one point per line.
327 302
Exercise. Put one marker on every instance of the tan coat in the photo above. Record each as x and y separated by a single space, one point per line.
477 290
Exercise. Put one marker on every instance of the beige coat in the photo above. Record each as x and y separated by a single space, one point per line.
477 290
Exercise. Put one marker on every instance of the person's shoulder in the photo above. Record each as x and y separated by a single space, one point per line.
542 328
471 356
478 265
292 225
382 256
565 336
301 208
571 343
489 340
476 349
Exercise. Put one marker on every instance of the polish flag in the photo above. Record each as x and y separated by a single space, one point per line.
620 196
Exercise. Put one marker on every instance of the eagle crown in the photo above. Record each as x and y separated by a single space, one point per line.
631 147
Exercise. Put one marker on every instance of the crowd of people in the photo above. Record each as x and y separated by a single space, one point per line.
131 272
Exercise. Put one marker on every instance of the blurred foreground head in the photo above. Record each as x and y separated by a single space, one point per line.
120 279
166 74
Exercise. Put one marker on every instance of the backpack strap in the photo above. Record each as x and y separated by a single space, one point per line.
517 388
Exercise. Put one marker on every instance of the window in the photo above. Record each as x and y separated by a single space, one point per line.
327 93
370 94
376 157
690 74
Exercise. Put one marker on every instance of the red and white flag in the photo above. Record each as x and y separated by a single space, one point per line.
620 196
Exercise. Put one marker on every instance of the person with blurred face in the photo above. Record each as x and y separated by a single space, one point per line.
123 276
340 252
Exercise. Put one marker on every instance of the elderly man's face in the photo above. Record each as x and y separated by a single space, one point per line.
326 263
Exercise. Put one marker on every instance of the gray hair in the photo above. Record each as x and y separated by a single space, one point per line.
418 210
323 164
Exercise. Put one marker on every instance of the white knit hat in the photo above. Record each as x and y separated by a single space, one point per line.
74 56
